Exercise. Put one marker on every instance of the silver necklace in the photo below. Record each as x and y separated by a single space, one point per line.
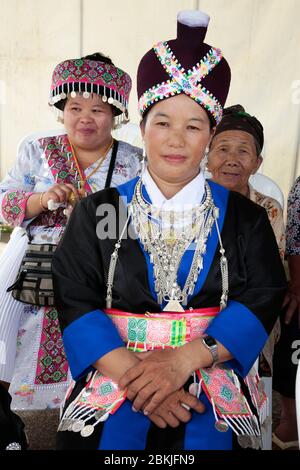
166 248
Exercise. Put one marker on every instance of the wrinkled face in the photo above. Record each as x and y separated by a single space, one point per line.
176 133
232 159
88 121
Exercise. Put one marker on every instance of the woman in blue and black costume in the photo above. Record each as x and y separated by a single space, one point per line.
168 286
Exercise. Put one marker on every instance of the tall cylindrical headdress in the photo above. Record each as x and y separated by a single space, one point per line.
185 65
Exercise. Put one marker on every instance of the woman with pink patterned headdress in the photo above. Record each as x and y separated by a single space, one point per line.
90 96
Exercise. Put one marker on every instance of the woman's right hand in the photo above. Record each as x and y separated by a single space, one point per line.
59 193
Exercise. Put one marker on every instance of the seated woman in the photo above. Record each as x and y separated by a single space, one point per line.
235 155
286 355
91 96
164 313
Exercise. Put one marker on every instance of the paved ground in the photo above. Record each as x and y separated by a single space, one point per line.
40 428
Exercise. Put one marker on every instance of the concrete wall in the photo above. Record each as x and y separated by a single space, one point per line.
260 39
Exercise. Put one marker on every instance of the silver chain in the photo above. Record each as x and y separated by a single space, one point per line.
166 253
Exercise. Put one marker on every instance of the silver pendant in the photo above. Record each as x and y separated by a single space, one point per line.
78 426
101 415
173 306
65 425
253 442
87 430
70 427
221 425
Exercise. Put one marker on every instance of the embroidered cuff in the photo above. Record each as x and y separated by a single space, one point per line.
14 207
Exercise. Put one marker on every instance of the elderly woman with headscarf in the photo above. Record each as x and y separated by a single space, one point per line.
163 317
235 155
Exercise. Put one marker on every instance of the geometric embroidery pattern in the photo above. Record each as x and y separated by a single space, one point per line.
184 82
52 366
14 207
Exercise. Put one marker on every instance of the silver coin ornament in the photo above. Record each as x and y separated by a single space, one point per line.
87 430
101 415
221 425
254 442
78 426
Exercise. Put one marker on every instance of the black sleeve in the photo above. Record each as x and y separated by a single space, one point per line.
77 273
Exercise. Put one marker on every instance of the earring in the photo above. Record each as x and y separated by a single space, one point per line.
59 115
60 119
144 159
203 163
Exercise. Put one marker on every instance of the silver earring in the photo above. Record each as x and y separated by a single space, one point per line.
60 117
144 159
203 163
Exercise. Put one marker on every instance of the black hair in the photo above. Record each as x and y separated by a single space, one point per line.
98 56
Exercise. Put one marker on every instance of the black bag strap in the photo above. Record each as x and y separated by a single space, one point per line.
30 236
112 164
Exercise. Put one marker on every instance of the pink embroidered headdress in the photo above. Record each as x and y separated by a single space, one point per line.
91 76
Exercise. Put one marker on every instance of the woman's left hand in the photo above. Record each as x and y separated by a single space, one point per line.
158 374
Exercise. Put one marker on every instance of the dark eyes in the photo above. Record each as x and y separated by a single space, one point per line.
93 110
166 124
225 149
